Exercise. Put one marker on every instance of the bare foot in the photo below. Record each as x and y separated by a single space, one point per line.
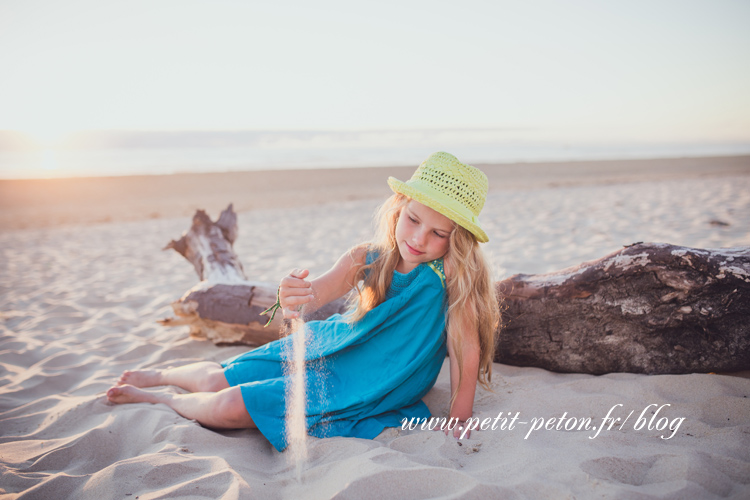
140 378
128 394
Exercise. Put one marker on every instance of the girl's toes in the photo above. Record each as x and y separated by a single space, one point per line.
123 378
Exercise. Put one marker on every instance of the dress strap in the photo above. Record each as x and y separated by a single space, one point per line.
437 266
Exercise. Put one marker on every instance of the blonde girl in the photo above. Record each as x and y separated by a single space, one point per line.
423 289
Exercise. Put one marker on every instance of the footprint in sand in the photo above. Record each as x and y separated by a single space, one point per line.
620 470
681 475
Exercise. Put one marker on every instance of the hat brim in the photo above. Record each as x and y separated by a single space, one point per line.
403 188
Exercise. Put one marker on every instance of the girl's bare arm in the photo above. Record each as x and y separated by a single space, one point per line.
463 405
296 291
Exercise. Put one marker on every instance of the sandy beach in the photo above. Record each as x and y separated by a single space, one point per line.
54 202
83 280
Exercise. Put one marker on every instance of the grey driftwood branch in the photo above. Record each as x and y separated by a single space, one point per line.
647 308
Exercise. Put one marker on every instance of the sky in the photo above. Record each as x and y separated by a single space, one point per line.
665 70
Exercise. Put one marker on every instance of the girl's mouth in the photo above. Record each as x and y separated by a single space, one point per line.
412 251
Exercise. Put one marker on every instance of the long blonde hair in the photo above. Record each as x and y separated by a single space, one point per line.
471 293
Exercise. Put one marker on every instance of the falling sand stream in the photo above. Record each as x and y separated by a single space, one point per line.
296 396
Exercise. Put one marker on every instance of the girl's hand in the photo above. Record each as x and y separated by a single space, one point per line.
295 292
457 430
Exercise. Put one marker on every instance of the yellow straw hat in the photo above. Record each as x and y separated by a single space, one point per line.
449 187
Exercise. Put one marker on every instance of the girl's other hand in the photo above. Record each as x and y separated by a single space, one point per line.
457 430
461 431
294 292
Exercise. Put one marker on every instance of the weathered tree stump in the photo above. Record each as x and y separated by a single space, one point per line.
208 246
648 308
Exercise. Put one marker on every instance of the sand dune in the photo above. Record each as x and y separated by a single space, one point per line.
80 301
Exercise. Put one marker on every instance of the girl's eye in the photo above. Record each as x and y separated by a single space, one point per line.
413 219
439 235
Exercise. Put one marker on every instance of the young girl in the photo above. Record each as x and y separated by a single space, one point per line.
423 287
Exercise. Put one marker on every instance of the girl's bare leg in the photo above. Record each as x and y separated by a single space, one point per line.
205 376
219 410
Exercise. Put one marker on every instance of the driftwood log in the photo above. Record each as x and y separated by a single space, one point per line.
647 308
225 306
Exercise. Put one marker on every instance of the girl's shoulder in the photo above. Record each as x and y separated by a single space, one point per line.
360 254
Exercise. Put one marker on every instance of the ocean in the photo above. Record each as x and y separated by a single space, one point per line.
117 153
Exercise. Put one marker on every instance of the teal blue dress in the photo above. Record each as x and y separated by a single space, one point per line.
360 377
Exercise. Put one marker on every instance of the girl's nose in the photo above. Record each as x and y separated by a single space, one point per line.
419 238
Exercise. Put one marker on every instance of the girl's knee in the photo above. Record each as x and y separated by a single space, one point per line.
215 381
230 407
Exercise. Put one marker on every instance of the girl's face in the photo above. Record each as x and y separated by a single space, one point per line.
422 235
